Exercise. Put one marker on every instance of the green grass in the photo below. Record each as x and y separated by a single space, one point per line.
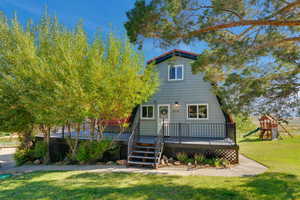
8 141
280 182
279 155
4 134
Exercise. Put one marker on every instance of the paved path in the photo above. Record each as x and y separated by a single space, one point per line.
247 167
7 158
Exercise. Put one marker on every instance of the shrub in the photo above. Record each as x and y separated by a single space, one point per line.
23 155
199 158
91 151
112 154
209 161
189 160
225 163
218 162
40 150
182 157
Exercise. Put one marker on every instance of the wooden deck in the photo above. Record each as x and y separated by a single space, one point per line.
124 137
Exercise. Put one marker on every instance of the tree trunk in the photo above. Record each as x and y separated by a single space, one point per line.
25 138
92 129
47 140
69 129
63 131
76 140
101 128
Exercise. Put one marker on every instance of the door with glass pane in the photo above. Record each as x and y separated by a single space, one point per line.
163 118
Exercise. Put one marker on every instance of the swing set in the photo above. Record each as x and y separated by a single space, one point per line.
268 128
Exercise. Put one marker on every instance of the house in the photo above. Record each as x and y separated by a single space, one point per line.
184 115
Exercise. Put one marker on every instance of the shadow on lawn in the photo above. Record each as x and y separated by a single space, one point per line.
274 186
138 186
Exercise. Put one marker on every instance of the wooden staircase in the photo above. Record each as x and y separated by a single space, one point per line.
144 151
145 154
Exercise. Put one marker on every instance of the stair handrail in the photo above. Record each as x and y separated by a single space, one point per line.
134 132
159 144
131 141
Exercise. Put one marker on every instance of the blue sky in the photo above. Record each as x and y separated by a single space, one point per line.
96 14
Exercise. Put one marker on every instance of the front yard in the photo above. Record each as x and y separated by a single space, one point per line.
281 181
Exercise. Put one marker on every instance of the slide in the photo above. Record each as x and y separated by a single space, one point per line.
251 132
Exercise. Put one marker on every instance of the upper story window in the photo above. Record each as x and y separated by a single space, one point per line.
197 111
175 72
147 112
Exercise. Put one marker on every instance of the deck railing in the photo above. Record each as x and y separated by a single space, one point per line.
231 131
200 130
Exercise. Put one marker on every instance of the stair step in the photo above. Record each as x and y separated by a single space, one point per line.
146 142
142 157
145 147
140 163
146 152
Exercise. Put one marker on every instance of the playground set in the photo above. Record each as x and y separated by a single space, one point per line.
268 128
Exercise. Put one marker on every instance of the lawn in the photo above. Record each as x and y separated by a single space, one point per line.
278 155
282 181
8 141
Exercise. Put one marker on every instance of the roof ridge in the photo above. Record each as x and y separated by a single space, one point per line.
172 52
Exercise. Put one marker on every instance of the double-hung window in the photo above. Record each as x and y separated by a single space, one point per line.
147 112
197 111
175 72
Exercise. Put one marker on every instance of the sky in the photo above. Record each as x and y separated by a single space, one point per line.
96 15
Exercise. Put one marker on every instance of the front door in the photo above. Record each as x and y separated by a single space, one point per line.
163 117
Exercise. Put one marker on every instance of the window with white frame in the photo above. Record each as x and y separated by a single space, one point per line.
175 72
147 112
197 111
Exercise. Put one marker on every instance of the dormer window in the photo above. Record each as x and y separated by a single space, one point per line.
175 72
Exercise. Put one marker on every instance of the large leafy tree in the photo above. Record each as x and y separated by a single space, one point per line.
51 76
16 49
126 82
253 54
37 66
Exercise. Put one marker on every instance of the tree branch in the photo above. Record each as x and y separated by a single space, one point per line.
282 10
244 23
291 39
227 10
288 7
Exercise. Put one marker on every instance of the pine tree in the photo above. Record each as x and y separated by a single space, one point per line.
252 56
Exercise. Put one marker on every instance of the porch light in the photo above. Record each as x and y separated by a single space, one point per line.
176 106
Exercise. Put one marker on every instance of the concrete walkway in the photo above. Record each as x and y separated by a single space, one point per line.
247 167
7 158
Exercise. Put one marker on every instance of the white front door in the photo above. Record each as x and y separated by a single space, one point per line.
163 117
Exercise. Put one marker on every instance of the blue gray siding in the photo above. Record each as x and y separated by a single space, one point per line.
192 90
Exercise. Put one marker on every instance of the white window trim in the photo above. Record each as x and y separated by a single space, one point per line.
195 104
176 72
147 118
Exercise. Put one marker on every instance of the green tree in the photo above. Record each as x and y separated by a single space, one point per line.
14 116
126 83
52 76
253 51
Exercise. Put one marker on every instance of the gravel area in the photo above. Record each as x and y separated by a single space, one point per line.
246 167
